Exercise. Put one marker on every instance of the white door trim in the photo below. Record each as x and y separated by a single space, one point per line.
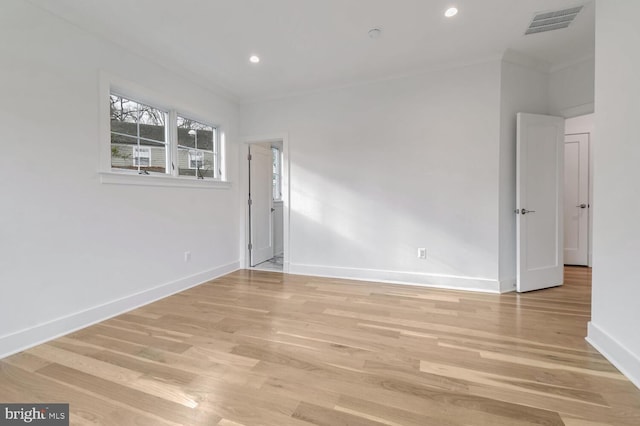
286 198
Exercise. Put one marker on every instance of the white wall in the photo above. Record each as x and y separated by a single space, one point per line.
581 124
616 248
381 169
73 250
571 89
524 88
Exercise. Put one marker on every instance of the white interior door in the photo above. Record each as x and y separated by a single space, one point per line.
540 163
576 199
260 204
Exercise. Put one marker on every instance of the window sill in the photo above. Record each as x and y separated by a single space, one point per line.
157 180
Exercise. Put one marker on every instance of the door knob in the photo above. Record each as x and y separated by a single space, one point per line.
525 211
582 206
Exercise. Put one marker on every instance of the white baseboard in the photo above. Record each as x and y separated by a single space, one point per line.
451 282
622 358
507 286
27 338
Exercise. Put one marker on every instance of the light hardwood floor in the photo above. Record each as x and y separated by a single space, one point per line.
263 348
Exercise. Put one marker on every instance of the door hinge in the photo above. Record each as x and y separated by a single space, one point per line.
517 211
249 157
250 246
250 202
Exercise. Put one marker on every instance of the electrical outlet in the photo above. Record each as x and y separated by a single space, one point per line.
187 256
422 253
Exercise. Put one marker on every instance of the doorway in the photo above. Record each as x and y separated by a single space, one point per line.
576 199
553 178
578 214
266 208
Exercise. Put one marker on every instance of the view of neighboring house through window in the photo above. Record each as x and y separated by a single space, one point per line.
198 149
148 139
277 173
138 136
196 159
141 156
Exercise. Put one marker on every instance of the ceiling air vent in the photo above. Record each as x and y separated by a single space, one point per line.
549 21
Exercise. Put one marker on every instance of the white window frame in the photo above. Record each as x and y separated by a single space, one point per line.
110 84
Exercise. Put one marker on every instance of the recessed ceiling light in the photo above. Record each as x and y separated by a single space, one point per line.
452 11
254 59
375 33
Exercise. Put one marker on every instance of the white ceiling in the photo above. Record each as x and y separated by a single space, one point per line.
307 45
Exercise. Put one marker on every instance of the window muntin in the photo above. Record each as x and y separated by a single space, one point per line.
198 149
138 136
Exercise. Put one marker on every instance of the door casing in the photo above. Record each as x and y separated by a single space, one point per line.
243 180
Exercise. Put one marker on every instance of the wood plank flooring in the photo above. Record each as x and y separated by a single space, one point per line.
263 348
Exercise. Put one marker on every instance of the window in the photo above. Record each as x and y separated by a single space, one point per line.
197 149
141 127
277 173
152 140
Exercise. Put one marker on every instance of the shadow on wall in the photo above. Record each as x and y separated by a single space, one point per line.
374 227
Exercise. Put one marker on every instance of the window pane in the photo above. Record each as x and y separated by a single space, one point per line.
155 160
208 165
133 118
196 159
277 185
149 156
123 110
274 154
141 156
138 137
183 163
195 163
121 156
196 148
196 135
274 188
277 188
